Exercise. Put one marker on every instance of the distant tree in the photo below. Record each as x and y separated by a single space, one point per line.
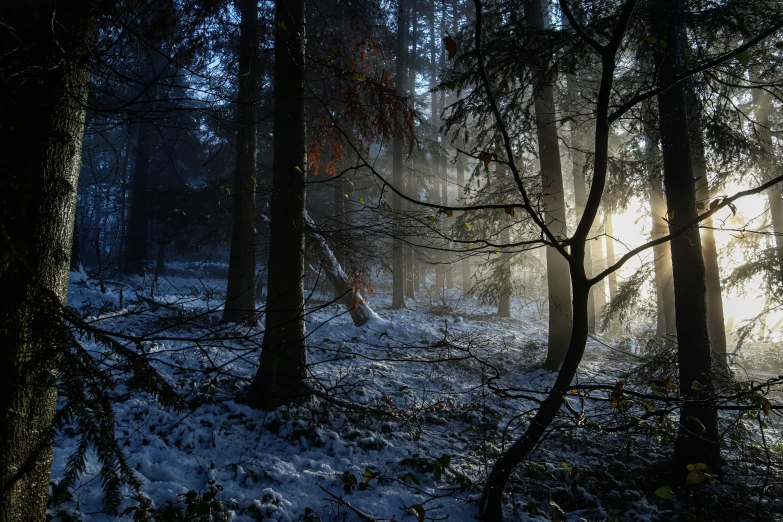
283 366
240 295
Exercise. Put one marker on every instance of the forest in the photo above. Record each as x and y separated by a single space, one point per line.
375 260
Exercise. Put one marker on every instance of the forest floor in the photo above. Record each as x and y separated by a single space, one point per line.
411 412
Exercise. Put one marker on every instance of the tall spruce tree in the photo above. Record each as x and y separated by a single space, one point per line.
283 367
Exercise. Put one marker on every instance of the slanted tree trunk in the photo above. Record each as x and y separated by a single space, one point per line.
283 367
554 204
344 290
398 247
240 294
43 92
697 439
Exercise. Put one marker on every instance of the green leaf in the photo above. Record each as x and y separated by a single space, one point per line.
697 422
650 39
359 76
369 475
281 25
468 226
433 219
665 492
696 385
743 57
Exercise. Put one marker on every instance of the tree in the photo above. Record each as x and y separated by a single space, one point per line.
697 440
44 78
283 366
398 249
240 295
554 202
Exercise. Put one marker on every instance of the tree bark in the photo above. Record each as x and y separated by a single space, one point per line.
504 300
554 204
599 264
398 205
465 263
715 319
697 439
763 101
240 294
577 152
283 366
662 254
137 237
610 255
43 92
344 290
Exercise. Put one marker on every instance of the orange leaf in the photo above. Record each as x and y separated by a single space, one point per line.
509 211
670 214
485 157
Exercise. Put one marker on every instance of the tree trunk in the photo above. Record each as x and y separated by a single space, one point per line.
763 101
490 504
398 247
715 319
240 295
697 439
599 264
610 256
578 146
662 254
554 204
344 290
465 264
283 366
76 258
41 139
504 300
137 238
411 185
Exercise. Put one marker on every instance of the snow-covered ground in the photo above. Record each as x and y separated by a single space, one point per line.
413 423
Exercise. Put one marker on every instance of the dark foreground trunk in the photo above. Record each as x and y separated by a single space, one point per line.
490 504
283 365
41 139
697 439
240 295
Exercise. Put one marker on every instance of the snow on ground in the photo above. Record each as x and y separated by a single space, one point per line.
426 453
